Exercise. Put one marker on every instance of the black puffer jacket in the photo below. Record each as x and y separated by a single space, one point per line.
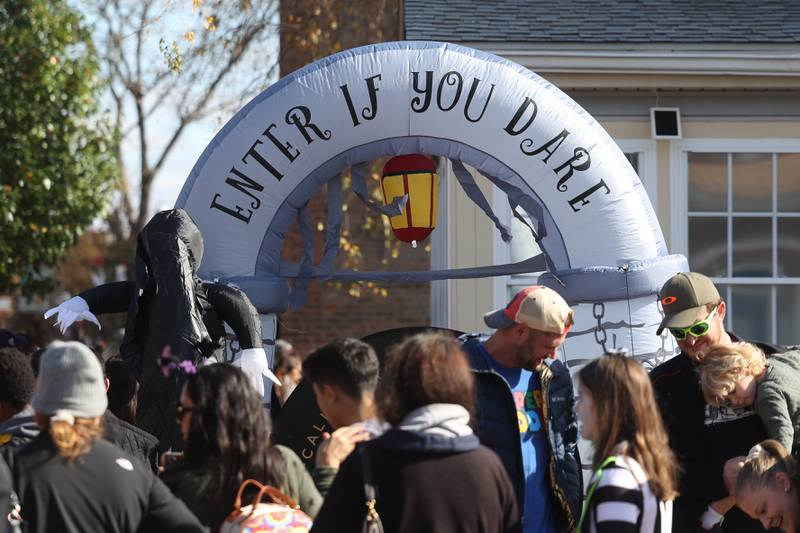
495 423
137 442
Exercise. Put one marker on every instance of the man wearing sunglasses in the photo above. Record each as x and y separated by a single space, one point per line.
703 437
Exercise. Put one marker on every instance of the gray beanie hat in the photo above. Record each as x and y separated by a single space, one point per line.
71 380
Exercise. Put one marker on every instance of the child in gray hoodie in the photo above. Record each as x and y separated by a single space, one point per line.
740 375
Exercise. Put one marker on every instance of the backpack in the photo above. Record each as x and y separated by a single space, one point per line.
281 515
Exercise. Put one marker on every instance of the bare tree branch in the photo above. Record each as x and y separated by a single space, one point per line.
223 66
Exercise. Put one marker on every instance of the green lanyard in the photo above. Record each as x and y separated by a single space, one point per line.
597 476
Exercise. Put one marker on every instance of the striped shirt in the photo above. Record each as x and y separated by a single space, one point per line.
622 502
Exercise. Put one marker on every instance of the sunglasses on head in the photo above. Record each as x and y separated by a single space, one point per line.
698 329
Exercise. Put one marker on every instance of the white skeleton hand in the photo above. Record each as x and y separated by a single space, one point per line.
71 311
253 362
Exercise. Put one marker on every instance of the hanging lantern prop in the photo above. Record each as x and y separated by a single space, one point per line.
412 175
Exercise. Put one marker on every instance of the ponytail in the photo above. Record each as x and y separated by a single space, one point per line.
764 461
74 440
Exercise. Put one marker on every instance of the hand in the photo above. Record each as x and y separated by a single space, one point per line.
167 459
722 506
730 471
253 362
715 512
335 447
73 310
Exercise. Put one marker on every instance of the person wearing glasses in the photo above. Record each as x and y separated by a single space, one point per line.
706 439
227 436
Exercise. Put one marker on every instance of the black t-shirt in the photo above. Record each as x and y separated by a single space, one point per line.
105 490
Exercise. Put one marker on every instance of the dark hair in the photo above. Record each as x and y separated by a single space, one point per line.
36 358
626 408
346 363
20 341
424 369
122 390
285 358
229 423
16 377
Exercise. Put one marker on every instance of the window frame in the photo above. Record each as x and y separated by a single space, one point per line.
679 211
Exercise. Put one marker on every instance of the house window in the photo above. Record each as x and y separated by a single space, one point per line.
743 231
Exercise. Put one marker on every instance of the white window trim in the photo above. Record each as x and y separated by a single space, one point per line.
679 201
679 175
648 164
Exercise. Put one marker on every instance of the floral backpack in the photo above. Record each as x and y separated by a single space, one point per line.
280 515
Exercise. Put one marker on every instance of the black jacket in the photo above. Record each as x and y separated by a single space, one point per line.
137 442
702 448
458 487
495 423
19 430
6 505
105 490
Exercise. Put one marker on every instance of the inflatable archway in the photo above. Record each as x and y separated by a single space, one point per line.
603 248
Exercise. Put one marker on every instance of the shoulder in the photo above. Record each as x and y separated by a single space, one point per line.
471 343
678 366
623 472
112 461
787 360
559 369
123 429
767 348
486 456
290 458
189 472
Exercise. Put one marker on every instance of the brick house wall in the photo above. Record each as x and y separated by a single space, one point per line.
311 30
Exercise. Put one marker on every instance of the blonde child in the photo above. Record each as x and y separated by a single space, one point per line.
740 375
767 487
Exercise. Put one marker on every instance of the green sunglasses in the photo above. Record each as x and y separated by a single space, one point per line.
699 329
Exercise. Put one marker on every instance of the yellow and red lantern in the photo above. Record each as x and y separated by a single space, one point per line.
413 175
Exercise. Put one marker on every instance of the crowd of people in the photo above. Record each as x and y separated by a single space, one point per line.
475 434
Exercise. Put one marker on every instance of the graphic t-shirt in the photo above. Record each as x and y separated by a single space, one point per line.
526 388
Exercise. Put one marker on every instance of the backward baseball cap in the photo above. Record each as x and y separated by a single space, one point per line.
683 296
537 307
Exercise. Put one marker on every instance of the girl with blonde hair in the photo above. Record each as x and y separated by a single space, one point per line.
634 477
767 487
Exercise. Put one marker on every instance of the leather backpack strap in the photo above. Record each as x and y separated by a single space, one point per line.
372 521
275 495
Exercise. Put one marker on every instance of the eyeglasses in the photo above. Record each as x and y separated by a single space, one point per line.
181 411
698 329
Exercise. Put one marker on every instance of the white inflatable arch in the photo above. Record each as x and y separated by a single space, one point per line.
603 248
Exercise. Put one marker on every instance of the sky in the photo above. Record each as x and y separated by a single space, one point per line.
179 164
171 177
